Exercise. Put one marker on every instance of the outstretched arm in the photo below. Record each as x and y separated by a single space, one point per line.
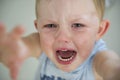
33 42
107 65
14 49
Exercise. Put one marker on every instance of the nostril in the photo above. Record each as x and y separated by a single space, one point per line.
63 36
63 39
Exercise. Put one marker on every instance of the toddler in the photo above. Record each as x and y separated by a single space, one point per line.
68 43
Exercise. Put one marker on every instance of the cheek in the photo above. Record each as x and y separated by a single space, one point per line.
84 43
46 42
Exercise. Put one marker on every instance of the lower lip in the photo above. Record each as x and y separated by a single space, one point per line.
65 62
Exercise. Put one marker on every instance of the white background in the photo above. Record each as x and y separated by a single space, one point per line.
13 12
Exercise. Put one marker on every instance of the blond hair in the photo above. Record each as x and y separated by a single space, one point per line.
99 5
36 8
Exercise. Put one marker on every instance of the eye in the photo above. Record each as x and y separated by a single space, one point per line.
78 25
50 26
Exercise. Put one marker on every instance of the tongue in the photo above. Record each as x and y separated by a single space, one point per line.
66 54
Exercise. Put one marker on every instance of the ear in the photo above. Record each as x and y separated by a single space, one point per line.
35 23
104 25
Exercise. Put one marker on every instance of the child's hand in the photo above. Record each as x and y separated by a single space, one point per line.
13 51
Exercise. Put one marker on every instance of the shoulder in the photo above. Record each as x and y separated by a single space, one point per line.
103 63
105 55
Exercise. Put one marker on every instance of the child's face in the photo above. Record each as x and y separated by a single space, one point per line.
68 31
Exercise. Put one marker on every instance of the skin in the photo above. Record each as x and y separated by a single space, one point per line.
14 49
106 66
66 34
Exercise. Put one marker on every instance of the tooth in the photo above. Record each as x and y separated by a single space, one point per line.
65 59
64 50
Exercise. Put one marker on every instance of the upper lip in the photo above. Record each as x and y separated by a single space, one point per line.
65 49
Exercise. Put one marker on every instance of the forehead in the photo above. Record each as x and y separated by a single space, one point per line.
65 8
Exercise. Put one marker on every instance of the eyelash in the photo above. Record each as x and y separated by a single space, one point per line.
78 25
50 26
74 25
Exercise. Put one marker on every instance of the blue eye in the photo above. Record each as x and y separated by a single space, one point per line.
78 25
50 26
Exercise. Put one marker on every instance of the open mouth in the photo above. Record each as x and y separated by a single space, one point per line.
65 56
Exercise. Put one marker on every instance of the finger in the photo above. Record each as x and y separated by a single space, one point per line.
14 74
14 70
2 29
17 32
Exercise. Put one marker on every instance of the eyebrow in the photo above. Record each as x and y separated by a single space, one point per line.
69 19
82 16
77 17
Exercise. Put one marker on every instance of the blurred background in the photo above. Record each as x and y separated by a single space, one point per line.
14 12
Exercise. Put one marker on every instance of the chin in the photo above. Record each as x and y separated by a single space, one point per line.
67 68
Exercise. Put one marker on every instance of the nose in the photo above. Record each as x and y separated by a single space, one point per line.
63 36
